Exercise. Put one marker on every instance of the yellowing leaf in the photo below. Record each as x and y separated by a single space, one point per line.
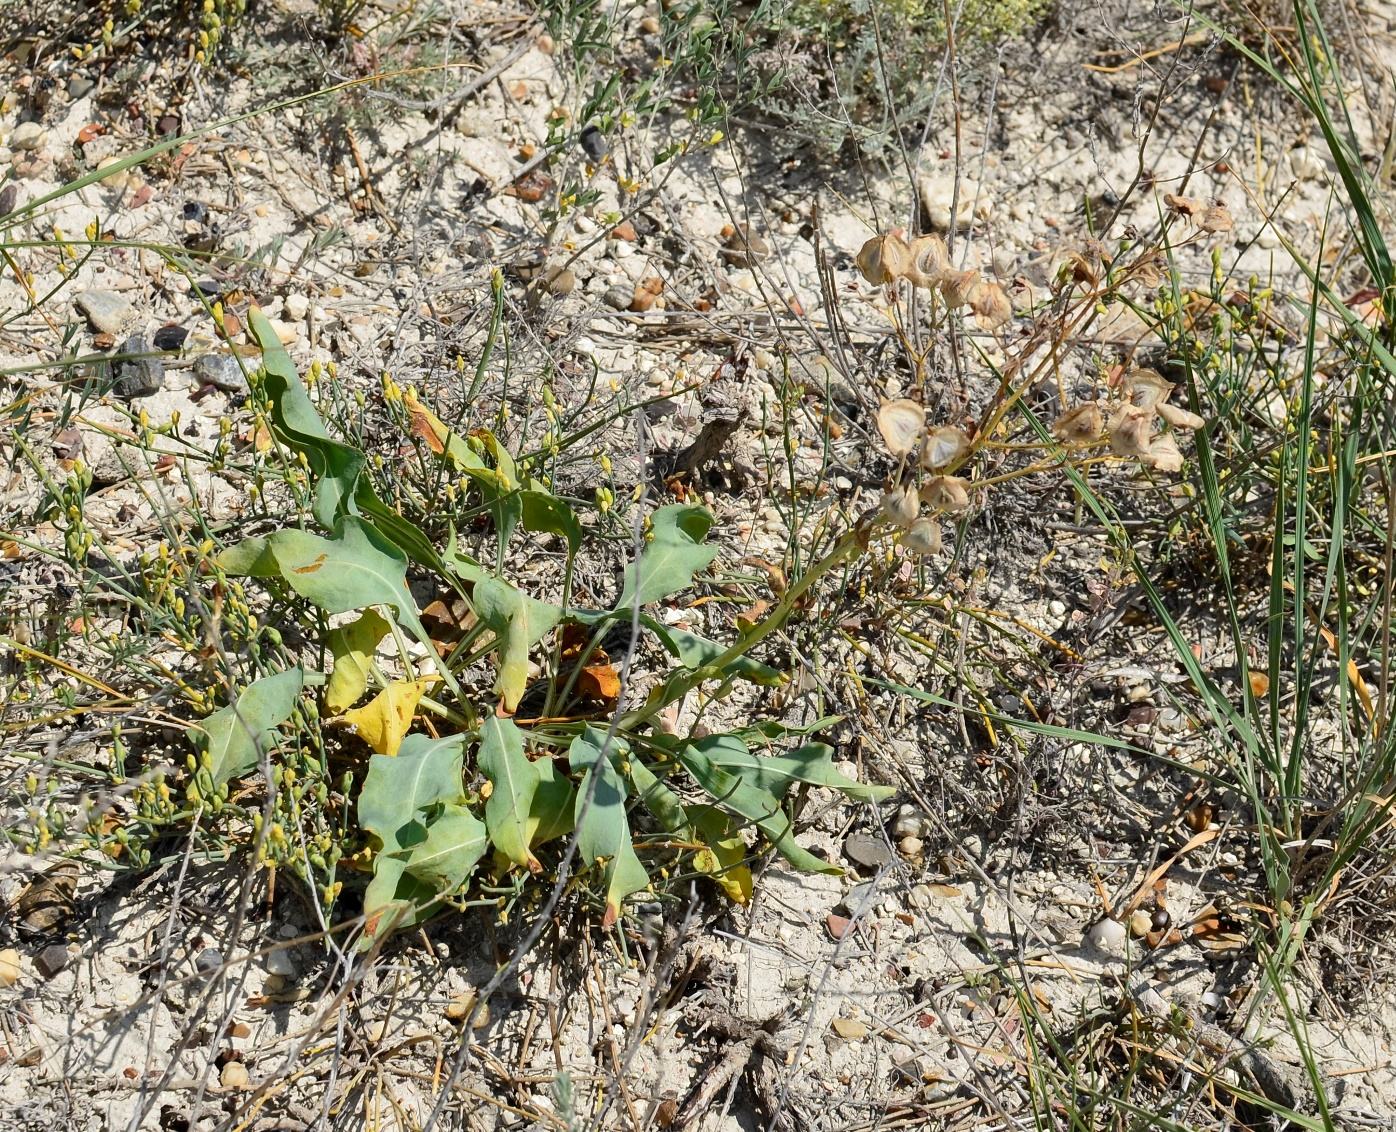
353 646
384 721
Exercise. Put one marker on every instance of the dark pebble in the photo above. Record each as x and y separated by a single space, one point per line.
170 337
866 850
594 143
196 211
209 960
53 959
137 376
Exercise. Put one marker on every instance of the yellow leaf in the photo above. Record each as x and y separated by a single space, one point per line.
386 719
353 646
723 862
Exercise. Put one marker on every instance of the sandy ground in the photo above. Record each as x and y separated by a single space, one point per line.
893 996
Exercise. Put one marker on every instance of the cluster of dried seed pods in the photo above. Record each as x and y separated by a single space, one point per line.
886 259
902 424
1129 427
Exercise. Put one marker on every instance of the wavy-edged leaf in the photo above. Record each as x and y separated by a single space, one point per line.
235 736
336 466
724 854
603 828
454 843
551 815
546 513
738 795
812 764
514 782
519 622
672 555
352 647
396 789
385 720
352 570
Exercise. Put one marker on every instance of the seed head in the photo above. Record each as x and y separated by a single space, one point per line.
1082 425
884 259
900 423
943 446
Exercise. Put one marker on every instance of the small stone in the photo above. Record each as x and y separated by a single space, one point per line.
137 375
28 136
1140 923
850 1029
79 87
107 311
744 247
911 846
1056 608
279 962
837 926
862 898
170 337
908 824
594 143
624 231
235 1077
559 281
222 371
460 1006
617 298
9 967
275 984
1107 935
865 850
296 306
53 959
938 196
209 960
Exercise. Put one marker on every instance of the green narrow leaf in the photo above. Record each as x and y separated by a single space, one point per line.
603 827
519 622
733 792
695 652
662 802
335 465
515 781
235 736
352 647
354 569
812 764
673 554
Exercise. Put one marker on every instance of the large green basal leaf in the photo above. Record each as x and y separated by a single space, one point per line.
603 828
425 772
673 553
513 781
235 736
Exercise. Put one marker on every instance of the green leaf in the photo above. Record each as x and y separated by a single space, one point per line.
394 899
352 646
695 652
673 554
335 465
515 781
546 513
235 736
603 828
813 763
424 772
550 816
455 842
662 802
519 622
354 569
735 793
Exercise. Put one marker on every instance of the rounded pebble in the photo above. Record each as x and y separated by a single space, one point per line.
235 1076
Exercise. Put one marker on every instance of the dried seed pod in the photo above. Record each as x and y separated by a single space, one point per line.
1131 431
1146 388
900 423
901 505
991 305
1149 270
929 261
923 537
1184 206
1164 455
956 286
1177 417
1216 219
1082 425
943 446
884 259
946 493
